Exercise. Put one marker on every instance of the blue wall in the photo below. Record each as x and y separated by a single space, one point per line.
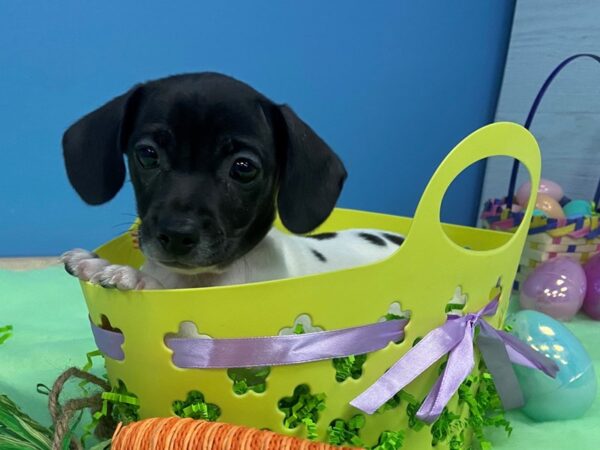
391 85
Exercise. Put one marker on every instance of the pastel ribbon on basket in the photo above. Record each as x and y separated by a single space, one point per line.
455 338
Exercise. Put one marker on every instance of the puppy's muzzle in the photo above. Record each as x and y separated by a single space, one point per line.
178 242
180 237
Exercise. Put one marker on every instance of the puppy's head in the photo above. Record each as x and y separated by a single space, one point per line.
211 160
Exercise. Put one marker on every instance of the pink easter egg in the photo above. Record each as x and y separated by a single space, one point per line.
556 287
591 303
523 192
547 187
549 206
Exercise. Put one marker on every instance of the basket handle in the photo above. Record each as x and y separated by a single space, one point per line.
496 139
531 115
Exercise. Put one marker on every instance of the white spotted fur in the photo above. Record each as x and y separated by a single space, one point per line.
277 256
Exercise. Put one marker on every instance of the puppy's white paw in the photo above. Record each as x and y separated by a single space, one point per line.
77 254
124 278
82 263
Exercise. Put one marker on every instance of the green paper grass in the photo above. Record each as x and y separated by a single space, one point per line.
341 432
485 410
449 427
349 367
416 341
455 308
352 366
249 379
485 406
5 333
195 407
122 404
299 329
389 440
302 408
89 428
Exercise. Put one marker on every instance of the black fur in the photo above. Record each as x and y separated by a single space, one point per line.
373 239
319 255
394 238
323 236
194 212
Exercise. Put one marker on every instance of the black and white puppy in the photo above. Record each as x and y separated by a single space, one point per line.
211 161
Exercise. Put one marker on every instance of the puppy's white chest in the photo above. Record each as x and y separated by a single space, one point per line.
280 255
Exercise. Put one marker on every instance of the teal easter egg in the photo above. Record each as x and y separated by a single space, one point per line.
573 391
577 208
537 212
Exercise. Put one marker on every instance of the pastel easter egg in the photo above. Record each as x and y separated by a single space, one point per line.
578 208
551 188
537 212
591 302
550 206
523 192
556 287
547 187
572 392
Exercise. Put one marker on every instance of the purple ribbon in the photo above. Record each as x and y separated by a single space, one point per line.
455 338
108 342
198 353
283 350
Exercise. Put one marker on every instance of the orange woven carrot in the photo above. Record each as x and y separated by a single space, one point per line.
174 433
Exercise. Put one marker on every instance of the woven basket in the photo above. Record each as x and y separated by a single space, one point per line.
575 237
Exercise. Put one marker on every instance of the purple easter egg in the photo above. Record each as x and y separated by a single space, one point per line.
591 303
556 287
547 187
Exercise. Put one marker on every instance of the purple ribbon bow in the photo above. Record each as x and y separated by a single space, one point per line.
455 337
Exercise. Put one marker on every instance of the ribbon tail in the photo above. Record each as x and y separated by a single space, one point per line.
523 355
495 355
418 359
459 366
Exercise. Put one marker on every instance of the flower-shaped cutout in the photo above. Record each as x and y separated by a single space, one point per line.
302 324
349 367
187 330
496 291
302 408
249 379
341 432
457 302
195 407
395 312
106 325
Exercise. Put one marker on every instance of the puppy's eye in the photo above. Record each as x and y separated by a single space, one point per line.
243 170
147 157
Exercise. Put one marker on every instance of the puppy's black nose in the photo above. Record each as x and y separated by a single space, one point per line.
178 239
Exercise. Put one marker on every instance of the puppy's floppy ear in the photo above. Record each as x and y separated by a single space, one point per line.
93 149
312 176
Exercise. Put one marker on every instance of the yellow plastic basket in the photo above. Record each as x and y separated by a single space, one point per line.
422 275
